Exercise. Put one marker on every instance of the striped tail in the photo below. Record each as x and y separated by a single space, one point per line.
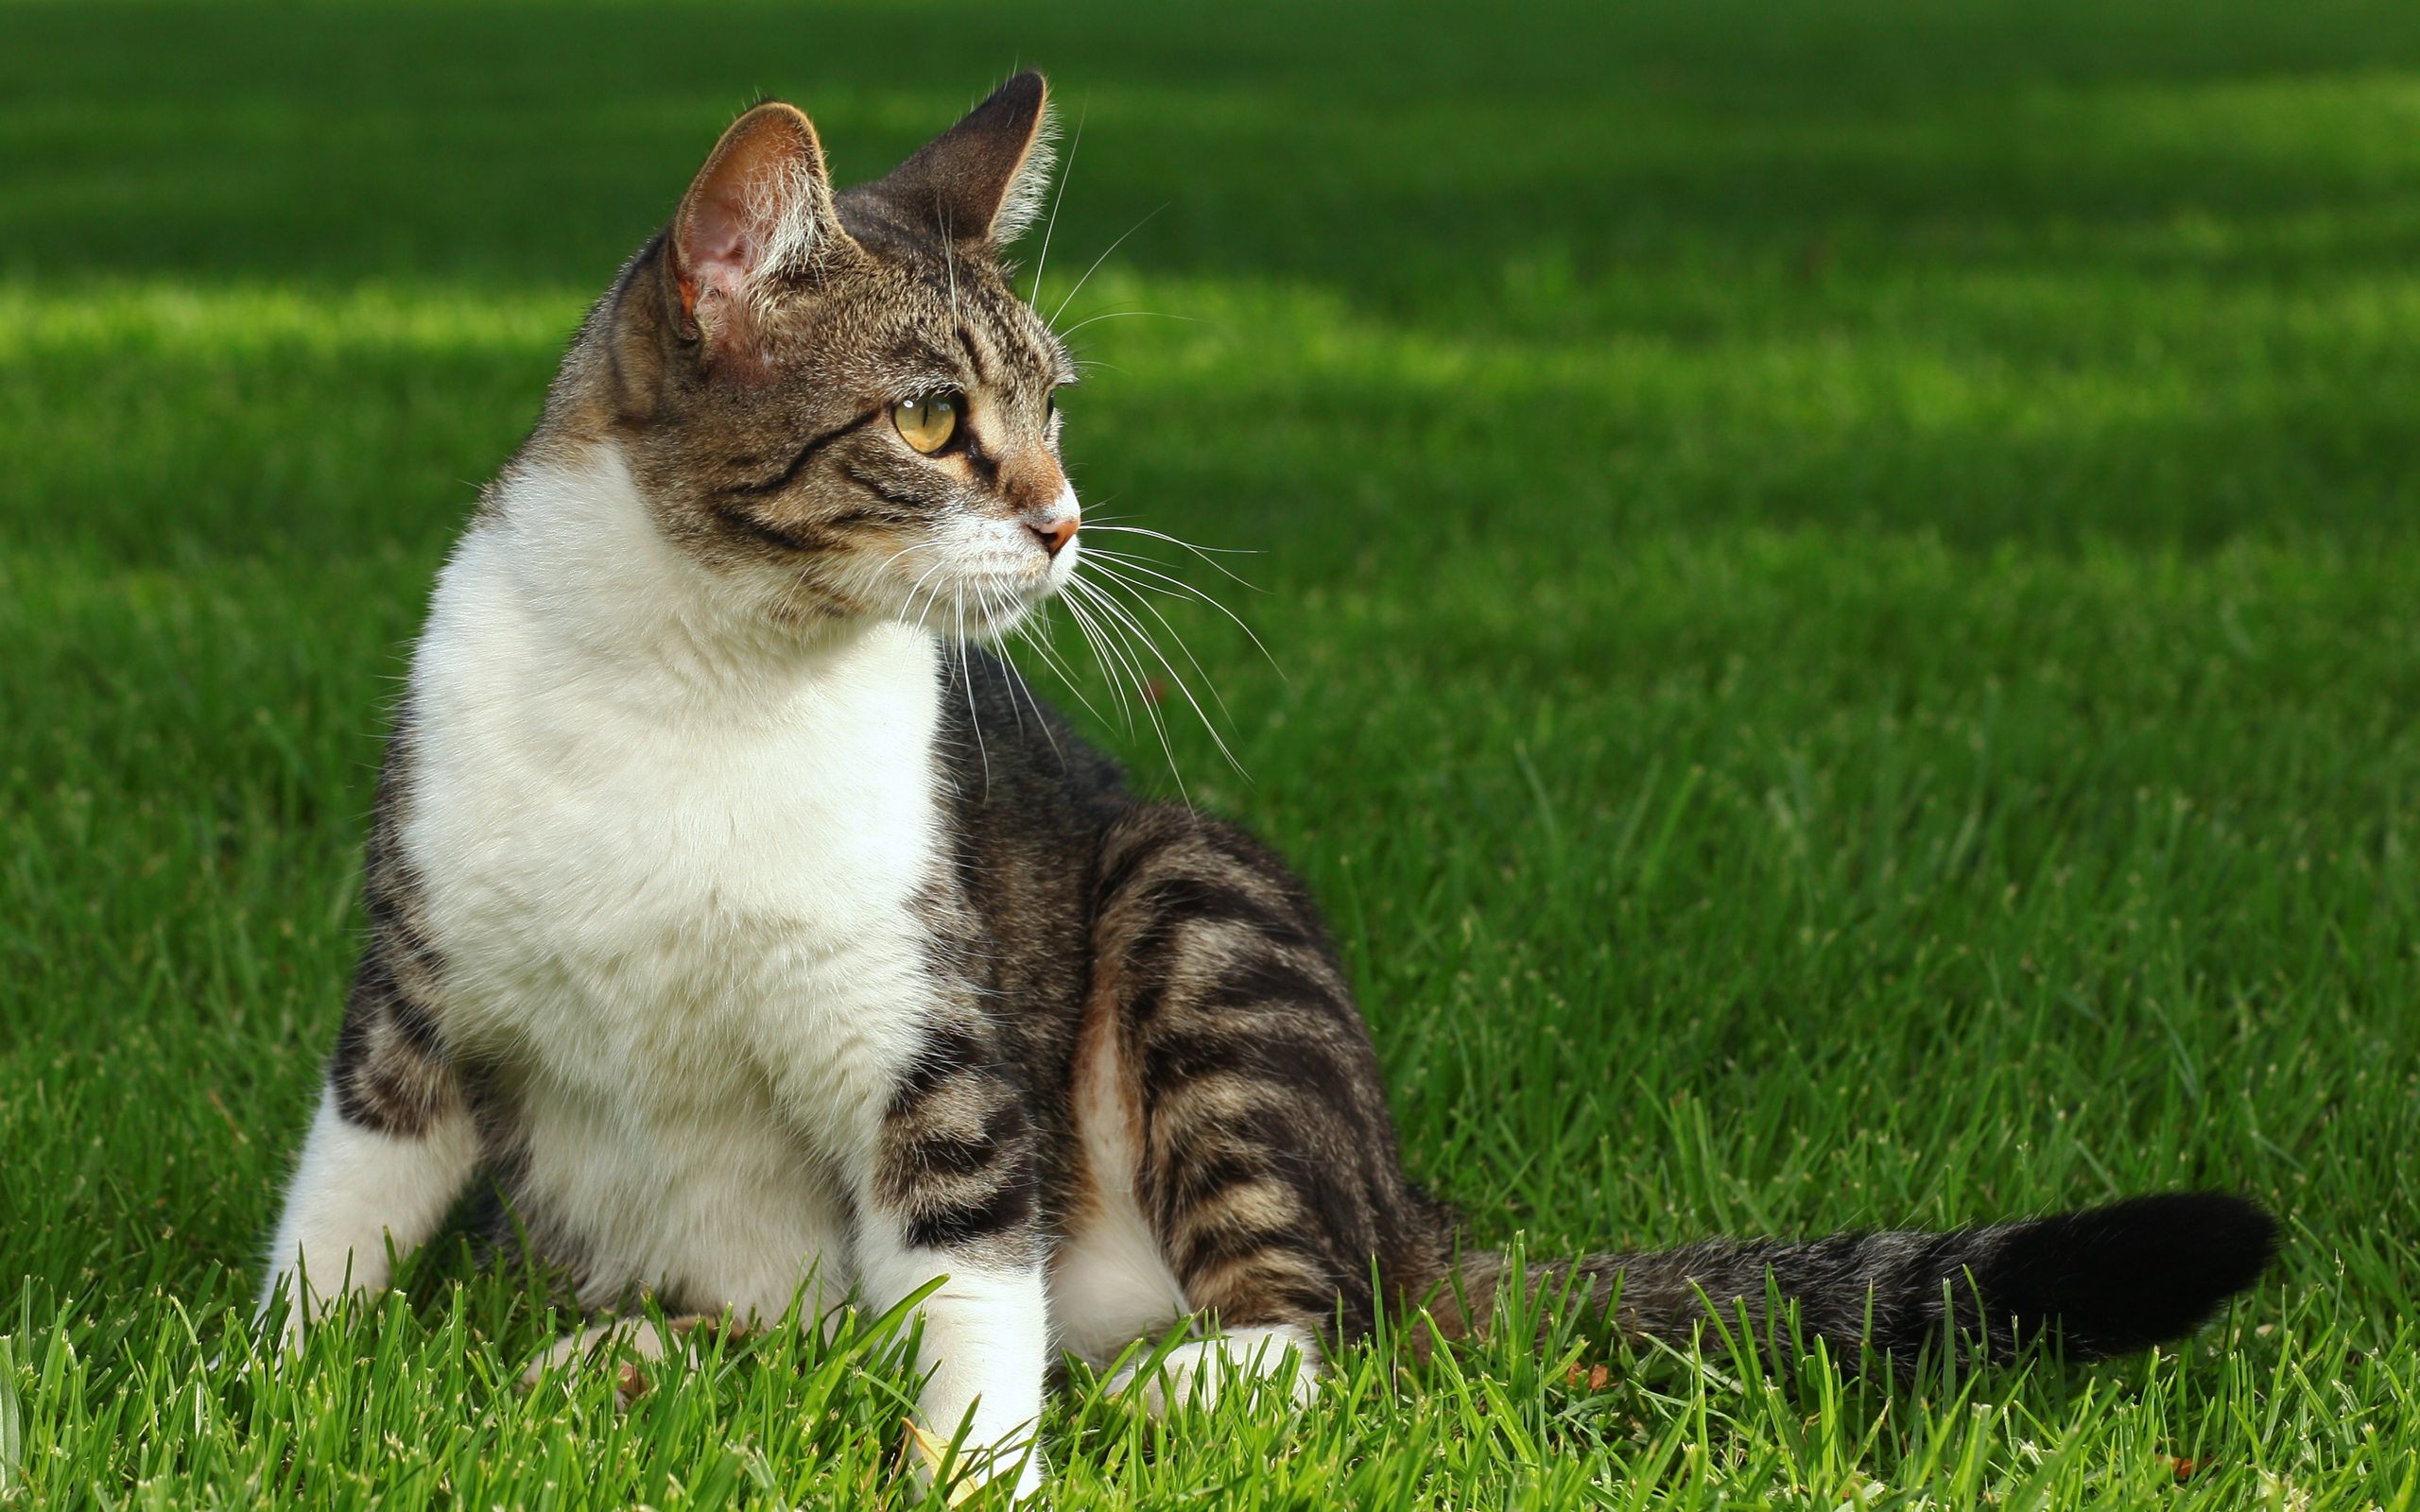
2098 1283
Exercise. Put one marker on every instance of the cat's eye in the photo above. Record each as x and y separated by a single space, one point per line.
926 423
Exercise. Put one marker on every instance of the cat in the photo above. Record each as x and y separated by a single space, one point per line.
744 919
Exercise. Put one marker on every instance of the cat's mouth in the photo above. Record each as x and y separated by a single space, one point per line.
977 584
983 604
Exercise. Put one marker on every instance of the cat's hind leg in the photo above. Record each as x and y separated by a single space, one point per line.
1111 1291
1264 1161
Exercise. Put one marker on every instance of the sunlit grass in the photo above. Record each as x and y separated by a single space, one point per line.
1699 880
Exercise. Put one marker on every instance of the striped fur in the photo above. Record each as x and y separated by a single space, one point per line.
2099 1282
1268 1162
390 1073
749 925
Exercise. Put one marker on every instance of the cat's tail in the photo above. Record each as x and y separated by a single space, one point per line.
2099 1282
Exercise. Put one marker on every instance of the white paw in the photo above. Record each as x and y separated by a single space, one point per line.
974 1468
1281 1359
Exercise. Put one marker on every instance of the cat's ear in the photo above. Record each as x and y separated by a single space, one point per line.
982 180
760 209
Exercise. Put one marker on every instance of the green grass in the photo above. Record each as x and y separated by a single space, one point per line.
1846 589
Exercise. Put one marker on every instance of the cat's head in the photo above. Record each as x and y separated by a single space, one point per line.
835 402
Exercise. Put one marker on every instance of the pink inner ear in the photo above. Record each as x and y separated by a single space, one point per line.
752 207
723 243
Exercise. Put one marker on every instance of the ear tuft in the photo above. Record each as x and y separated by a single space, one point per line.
1029 189
761 208
985 179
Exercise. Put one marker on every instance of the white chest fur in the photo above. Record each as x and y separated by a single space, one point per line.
671 869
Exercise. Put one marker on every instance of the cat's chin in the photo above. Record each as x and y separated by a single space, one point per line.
975 626
981 611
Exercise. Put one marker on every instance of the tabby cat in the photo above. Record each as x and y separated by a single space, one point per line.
742 919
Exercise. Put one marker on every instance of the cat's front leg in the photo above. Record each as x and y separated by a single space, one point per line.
949 1190
360 1193
393 1144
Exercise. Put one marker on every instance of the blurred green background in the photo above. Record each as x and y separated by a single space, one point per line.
1844 604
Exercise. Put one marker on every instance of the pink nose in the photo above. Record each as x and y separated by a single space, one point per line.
1054 533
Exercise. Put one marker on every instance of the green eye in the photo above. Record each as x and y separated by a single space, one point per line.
928 424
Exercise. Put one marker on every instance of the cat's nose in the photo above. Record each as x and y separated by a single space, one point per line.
1054 527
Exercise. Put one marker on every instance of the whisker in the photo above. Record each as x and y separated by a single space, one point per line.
1033 638
949 261
988 610
1194 661
966 676
1096 267
1058 193
905 550
1109 651
909 603
1175 635
1106 653
1017 680
1018 684
1117 565
1207 553
1109 521
1177 586
1115 642
1151 564
1117 691
1111 607
1117 315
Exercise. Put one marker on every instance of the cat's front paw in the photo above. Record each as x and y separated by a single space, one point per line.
972 1468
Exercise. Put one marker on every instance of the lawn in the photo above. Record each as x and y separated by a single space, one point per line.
1841 588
